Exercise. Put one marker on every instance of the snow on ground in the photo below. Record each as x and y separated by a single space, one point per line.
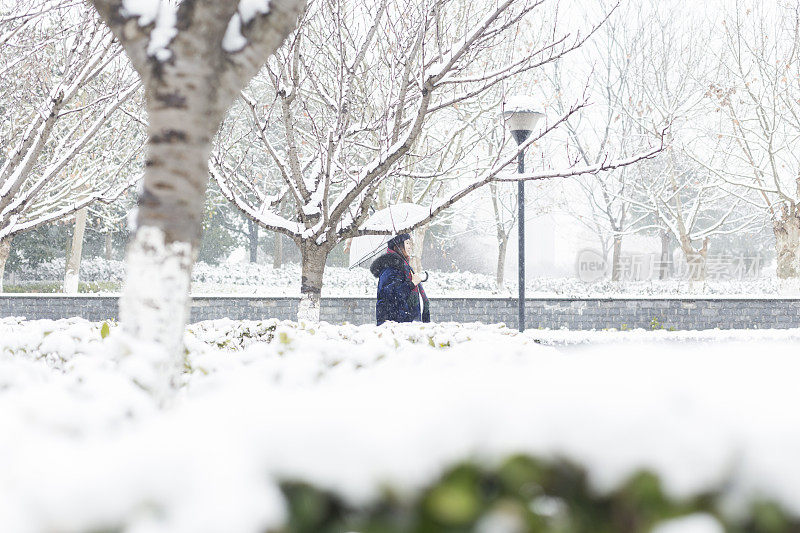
250 279
356 408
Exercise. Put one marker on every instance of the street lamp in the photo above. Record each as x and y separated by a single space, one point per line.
521 117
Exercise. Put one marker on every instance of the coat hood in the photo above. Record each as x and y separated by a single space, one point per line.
387 260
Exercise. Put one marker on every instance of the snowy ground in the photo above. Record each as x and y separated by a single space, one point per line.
250 279
355 409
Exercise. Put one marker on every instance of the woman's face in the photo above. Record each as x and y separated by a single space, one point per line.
407 247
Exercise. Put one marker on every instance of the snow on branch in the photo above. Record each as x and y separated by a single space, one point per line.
234 41
159 17
267 219
48 173
449 59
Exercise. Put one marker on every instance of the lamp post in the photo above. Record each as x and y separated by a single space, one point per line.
521 117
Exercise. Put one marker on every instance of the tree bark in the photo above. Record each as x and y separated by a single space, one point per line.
616 259
277 252
695 259
169 224
666 257
787 243
154 306
5 250
109 244
253 240
502 248
502 238
189 84
313 268
73 268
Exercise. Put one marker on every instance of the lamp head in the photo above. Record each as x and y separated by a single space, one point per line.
521 116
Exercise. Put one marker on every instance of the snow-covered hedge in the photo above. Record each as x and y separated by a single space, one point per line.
338 281
92 269
249 278
439 427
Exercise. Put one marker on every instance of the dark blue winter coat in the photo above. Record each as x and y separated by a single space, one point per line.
398 298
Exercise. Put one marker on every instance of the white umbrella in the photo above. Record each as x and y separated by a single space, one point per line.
366 247
393 218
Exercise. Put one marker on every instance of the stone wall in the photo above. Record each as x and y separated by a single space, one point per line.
586 313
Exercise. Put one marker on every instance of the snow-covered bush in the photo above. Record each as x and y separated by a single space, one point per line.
92 269
251 278
441 427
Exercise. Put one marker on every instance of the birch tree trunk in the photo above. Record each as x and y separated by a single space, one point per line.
73 268
695 259
277 251
154 306
666 257
313 268
787 243
192 69
252 235
616 259
109 244
5 249
502 248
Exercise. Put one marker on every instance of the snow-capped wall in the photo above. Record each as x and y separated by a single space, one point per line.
552 313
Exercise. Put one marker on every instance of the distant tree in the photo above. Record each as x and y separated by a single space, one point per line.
378 101
674 191
607 70
687 201
108 226
497 209
754 122
75 253
64 84
37 246
224 229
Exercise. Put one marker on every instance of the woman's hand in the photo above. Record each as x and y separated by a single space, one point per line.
416 279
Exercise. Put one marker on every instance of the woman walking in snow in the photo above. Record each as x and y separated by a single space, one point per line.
401 297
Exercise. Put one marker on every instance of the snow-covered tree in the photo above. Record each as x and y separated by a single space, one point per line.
73 262
505 208
496 210
64 84
109 219
605 69
689 202
504 214
672 191
374 97
194 57
756 127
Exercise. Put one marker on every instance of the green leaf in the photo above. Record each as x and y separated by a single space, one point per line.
456 500
105 329
769 518
454 504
